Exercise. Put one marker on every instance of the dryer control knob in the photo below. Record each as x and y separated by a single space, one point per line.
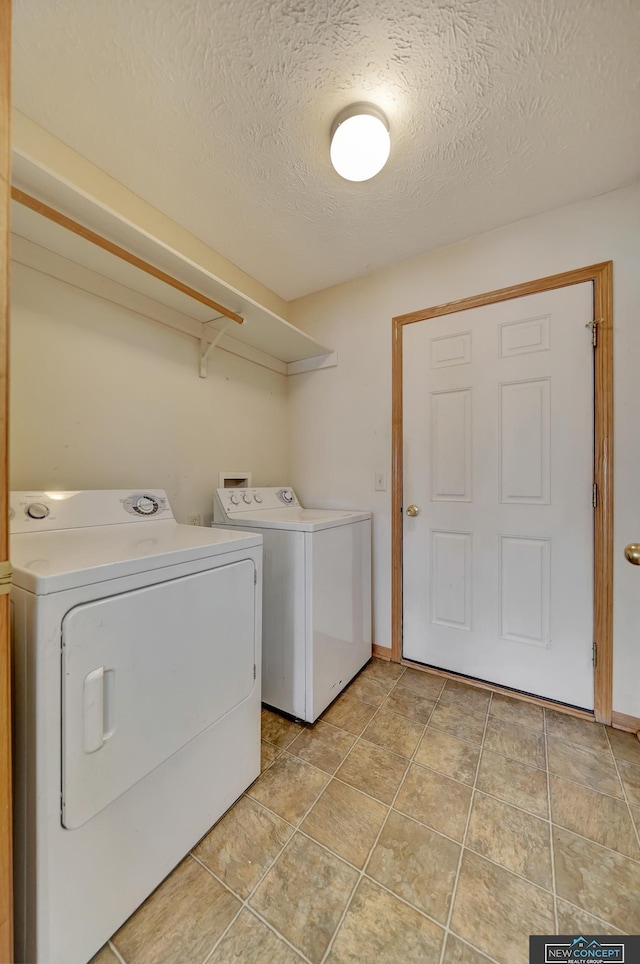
145 505
37 510
233 499
246 498
257 497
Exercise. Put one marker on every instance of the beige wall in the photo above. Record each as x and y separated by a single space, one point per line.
341 419
103 398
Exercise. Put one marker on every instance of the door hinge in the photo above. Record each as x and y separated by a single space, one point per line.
593 325
595 654
255 672
594 495
255 578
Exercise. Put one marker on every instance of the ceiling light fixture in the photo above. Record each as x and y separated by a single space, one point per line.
360 142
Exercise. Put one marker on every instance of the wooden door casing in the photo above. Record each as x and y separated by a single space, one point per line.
6 863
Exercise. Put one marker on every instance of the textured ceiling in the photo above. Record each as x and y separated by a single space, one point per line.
218 112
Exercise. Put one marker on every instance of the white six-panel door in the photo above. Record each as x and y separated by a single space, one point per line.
498 459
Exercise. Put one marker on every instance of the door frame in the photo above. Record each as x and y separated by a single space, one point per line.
601 275
6 848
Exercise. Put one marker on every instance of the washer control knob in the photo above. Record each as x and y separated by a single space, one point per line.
233 499
246 498
37 510
257 497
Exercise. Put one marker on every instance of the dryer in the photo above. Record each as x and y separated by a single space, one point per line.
316 592
137 704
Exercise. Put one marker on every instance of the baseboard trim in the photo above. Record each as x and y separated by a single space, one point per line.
382 652
622 721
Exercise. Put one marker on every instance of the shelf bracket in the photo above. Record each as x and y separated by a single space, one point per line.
206 346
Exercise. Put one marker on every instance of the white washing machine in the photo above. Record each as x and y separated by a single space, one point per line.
317 594
137 704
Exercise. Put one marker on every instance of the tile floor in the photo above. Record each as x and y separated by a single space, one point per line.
418 820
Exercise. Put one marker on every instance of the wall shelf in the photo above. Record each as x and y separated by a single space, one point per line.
200 304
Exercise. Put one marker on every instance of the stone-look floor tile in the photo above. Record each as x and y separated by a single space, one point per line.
574 730
252 942
457 952
435 800
380 928
635 813
448 755
594 815
573 920
180 921
289 787
383 669
496 911
625 746
407 703
462 694
243 844
393 732
278 729
373 770
349 714
631 778
425 684
514 783
346 821
515 839
459 721
323 745
373 691
268 753
599 881
515 742
304 895
582 764
517 711
105 956
417 864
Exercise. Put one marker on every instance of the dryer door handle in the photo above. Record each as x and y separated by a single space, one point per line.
93 710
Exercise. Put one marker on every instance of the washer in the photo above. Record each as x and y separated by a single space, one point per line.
137 704
317 594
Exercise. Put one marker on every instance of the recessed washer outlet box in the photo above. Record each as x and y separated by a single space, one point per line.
234 480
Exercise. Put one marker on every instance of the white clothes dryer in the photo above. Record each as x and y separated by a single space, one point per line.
316 594
137 704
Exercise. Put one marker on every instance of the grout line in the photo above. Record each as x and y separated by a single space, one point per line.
115 951
378 835
624 790
581 910
551 837
454 889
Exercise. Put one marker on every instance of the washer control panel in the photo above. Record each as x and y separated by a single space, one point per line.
229 503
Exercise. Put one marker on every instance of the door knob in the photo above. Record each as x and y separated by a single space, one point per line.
632 553
413 511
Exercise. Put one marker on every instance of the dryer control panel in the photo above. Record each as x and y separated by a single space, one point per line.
230 503
40 511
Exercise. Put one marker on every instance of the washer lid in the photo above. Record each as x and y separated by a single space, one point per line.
51 561
302 520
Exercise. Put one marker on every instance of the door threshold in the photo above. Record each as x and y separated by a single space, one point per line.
505 690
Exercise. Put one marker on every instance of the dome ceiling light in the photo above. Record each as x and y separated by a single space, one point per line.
360 142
